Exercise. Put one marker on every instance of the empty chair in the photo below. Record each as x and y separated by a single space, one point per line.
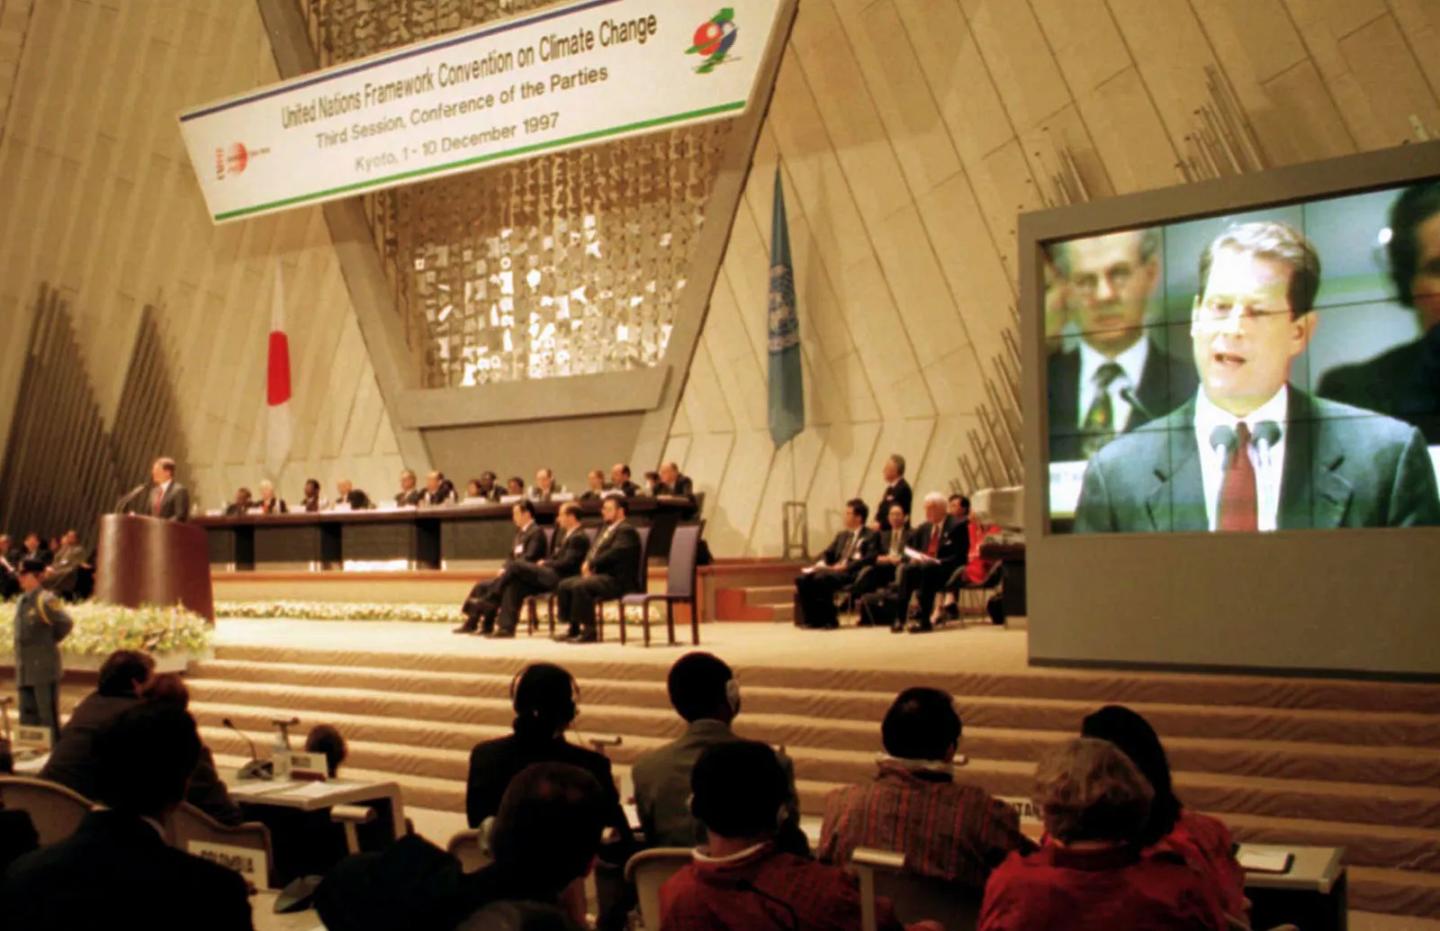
915 898
191 829
647 871
56 811
679 587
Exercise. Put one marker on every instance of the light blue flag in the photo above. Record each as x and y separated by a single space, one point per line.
787 389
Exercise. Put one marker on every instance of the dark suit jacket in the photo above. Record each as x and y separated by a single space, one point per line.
954 541
900 494
1403 383
495 762
411 498
174 506
683 487
1342 469
567 553
276 506
627 488
1165 383
116 872
864 553
444 494
619 557
529 544
887 537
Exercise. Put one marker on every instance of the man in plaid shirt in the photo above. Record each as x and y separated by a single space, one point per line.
945 829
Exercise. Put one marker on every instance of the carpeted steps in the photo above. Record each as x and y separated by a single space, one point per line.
1333 763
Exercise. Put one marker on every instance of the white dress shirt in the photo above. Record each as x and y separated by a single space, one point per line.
1269 461
1132 367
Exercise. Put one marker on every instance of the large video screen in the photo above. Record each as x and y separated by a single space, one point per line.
1277 369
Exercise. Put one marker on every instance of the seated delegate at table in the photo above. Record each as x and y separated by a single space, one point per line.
409 495
515 486
620 480
546 488
268 503
594 486
350 498
311 501
439 490
853 549
482 489
243 504
673 483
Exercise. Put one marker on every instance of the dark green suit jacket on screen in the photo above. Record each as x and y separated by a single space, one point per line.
1344 467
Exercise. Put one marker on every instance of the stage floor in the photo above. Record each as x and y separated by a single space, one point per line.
978 647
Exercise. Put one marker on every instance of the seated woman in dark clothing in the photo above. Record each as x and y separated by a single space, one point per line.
544 698
1090 875
1203 841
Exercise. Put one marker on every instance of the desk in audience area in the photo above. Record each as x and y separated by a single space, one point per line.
322 796
423 538
1313 894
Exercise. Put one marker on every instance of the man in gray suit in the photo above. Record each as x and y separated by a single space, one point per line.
1250 452
163 497
40 625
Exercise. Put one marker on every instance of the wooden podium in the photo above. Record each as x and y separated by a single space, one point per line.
145 560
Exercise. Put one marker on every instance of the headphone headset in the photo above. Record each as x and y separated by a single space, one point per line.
571 708
732 695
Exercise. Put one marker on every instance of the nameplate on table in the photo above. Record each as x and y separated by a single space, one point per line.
300 767
246 861
33 738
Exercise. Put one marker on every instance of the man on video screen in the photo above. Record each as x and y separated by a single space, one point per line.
1117 378
1251 452
1404 382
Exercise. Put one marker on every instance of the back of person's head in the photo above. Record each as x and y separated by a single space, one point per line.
167 687
124 673
544 698
1135 738
701 685
327 739
549 823
146 757
1087 790
922 724
738 790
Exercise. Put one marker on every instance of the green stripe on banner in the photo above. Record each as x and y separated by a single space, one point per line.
480 159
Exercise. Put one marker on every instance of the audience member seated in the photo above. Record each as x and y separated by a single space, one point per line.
438 490
976 571
206 790
650 487
545 839
946 829
853 549
739 880
327 739
350 498
116 870
71 576
544 698
409 495
897 490
482 488
244 502
9 574
594 486
528 547
34 548
705 693
269 503
73 761
546 488
612 568
944 543
1089 875
515 485
958 507
1203 841
673 483
312 501
620 480
879 575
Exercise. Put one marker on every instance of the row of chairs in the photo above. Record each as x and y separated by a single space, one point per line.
680 587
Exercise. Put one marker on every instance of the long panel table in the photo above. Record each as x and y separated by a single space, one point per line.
422 538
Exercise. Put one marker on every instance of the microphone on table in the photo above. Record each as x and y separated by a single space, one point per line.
283 725
256 768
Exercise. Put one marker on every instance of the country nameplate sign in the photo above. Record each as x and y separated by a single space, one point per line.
553 80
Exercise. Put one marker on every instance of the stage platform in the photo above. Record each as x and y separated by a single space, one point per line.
1322 762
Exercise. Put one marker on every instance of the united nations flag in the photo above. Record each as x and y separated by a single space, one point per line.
787 388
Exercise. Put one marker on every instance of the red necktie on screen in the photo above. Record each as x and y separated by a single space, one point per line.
157 499
1238 507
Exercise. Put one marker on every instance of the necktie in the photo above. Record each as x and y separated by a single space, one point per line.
156 500
933 546
845 551
1099 425
1238 509
897 543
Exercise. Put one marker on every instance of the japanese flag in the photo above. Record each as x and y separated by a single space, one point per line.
277 388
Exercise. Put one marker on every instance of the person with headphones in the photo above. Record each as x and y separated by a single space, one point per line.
739 878
704 691
544 696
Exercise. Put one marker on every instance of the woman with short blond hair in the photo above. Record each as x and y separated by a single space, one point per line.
1089 874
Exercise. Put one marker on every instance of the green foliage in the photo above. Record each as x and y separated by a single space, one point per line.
101 629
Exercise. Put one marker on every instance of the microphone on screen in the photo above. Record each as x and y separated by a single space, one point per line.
256 768
1267 434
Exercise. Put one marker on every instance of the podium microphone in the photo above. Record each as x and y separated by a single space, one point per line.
256 768
129 498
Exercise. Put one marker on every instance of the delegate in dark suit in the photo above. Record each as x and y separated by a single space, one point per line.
523 579
879 574
897 493
170 501
116 871
495 762
948 543
484 601
683 487
1403 383
850 552
1165 382
614 570
1343 468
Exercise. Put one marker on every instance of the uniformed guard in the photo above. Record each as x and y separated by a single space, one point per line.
40 624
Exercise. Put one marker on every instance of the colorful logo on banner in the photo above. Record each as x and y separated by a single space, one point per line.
713 40
234 158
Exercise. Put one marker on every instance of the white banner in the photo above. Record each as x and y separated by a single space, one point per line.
558 79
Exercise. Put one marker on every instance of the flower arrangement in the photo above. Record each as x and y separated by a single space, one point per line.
337 611
101 629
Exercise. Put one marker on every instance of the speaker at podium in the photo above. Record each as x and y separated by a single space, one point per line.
148 560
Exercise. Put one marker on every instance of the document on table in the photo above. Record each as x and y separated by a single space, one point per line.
316 790
253 788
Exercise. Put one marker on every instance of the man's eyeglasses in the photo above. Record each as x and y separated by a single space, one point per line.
1220 310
